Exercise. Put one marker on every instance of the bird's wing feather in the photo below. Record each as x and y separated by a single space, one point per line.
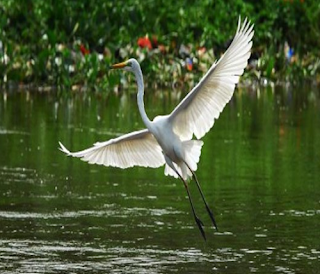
138 148
198 110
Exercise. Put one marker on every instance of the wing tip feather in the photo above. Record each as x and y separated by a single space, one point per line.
239 24
64 149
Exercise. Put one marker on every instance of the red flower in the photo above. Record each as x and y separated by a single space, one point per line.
144 42
84 50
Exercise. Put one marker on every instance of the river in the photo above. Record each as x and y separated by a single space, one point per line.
259 171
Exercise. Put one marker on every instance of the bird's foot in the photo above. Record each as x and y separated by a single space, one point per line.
200 225
212 218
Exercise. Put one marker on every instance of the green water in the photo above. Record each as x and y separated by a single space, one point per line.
259 170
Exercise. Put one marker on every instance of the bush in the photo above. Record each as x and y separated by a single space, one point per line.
42 40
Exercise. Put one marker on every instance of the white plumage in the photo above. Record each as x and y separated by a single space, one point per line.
168 139
198 110
138 148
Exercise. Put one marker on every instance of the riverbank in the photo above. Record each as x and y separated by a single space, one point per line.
69 46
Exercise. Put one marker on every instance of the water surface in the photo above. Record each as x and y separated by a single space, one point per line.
259 170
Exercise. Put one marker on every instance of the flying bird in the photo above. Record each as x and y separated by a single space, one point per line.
168 140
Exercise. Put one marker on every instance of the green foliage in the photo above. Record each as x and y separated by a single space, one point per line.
41 39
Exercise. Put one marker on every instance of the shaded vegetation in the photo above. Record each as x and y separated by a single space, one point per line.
69 44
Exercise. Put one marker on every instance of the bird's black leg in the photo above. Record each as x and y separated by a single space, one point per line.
198 221
204 200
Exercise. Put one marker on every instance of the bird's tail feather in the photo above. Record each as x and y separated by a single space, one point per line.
192 152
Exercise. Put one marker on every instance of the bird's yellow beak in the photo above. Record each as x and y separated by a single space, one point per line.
119 65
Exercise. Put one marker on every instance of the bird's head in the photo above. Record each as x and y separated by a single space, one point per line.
129 65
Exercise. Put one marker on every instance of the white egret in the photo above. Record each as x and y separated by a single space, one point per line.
167 140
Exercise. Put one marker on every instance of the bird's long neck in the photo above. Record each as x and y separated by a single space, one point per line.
139 79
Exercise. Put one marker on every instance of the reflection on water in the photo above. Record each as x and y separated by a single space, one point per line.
259 170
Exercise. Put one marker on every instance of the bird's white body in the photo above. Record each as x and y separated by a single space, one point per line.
167 140
176 152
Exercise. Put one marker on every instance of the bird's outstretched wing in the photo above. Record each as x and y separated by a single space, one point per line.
198 110
138 148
